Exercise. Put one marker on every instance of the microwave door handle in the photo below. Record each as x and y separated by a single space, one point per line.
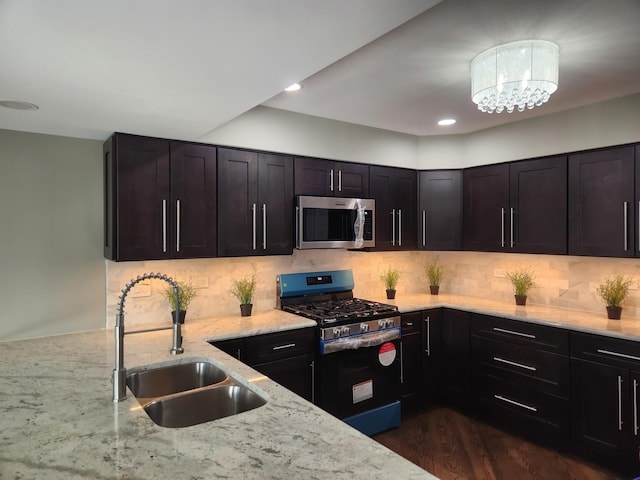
298 232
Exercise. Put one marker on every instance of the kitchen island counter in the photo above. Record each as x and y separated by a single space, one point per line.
59 422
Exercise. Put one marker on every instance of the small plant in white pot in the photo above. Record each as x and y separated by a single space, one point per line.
434 273
243 290
522 280
390 279
613 291
186 293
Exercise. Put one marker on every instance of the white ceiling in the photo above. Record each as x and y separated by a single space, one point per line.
182 69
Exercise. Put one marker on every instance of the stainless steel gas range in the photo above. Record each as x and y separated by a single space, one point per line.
358 360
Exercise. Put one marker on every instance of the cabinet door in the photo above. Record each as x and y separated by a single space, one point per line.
238 209
634 455
275 192
485 205
411 358
599 401
455 380
295 374
234 347
313 176
142 212
395 193
431 352
193 200
601 203
637 202
440 211
353 180
538 206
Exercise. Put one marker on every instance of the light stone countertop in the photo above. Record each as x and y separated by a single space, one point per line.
58 420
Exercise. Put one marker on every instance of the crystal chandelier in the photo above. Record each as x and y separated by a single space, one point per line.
516 75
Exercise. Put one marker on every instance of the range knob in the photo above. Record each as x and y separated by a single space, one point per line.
389 323
346 331
364 327
382 324
336 332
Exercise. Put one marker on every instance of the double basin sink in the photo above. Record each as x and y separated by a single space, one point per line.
189 393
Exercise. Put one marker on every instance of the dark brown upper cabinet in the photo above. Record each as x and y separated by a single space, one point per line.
440 210
326 178
395 193
255 203
517 207
602 202
160 199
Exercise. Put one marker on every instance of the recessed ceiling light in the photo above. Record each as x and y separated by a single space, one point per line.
18 105
447 121
293 88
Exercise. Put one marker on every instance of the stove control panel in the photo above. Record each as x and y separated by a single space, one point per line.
359 328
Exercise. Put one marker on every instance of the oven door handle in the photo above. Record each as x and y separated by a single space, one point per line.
359 341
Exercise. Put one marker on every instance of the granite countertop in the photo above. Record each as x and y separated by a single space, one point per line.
58 419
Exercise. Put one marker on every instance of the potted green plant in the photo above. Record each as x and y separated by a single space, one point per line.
434 274
186 293
522 280
243 290
614 291
390 279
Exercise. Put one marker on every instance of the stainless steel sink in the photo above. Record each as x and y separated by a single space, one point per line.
203 405
189 393
179 377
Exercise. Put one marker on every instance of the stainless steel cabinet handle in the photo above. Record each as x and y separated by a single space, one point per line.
428 328
238 353
253 215
619 403
399 227
401 364
339 180
177 225
639 226
616 354
331 180
409 324
502 228
393 227
635 407
282 347
511 332
164 225
313 381
513 402
626 226
264 226
424 228
515 364
512 242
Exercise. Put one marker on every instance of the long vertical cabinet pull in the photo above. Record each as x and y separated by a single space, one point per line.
331 180
502 227
177 225
639 226
424 228
619 403
339 180
399 227
313 381
164 225
427 327
264 226
635 407
401 363
253 215
626 225
511 224
393 227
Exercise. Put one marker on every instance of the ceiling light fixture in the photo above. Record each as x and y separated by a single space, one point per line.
446 121
293 88
15 105
519 75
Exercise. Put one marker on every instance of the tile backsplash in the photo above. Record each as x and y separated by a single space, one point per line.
563 281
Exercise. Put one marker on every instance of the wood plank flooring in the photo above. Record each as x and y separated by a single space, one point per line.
452 446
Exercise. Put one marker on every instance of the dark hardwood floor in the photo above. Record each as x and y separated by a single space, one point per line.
452 446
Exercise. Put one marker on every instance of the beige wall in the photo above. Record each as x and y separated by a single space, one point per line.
52 274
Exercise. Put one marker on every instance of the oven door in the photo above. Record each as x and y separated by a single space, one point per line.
356 380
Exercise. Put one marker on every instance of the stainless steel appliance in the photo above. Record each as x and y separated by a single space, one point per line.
332 222
358 361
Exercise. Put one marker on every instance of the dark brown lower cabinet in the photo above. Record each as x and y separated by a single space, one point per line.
411 359
453 359
288 357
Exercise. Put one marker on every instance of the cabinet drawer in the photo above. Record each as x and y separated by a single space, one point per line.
613 351
521 333
535 369
276 346
534 414
411 323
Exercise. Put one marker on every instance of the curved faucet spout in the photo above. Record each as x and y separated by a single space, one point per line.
119 377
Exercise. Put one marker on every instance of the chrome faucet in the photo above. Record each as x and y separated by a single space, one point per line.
119 372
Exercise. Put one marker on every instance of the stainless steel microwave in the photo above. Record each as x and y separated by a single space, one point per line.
333 222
